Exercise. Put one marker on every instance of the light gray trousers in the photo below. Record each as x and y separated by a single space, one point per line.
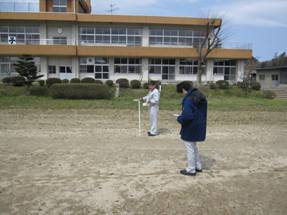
153 112
193 159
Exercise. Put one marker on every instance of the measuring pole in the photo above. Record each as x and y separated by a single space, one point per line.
139 114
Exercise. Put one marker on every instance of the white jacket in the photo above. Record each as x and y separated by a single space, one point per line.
152 97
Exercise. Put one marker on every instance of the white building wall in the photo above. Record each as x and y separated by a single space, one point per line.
44 67
145 38
60 30
75 67
145 69
209 71
240 70
43 33
62 61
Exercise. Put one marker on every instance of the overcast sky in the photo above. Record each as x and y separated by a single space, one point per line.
262 23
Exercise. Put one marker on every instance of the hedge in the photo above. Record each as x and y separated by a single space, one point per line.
51 81
17 81
80 91
38 91
88 80
255 86
110 83
41 82
75 81
98 82
222 84
135 84
124 83
65 81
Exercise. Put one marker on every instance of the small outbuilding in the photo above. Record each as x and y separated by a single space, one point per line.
273 77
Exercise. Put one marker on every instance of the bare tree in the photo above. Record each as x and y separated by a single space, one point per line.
213 38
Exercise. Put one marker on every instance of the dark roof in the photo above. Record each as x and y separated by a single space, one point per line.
271 68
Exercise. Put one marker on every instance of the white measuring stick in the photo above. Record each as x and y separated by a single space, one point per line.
139 109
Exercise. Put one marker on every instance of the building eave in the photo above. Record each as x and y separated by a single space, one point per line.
69 50
157 20
91 18
45 16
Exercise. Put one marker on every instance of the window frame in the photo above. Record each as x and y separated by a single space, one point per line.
59 7
125 65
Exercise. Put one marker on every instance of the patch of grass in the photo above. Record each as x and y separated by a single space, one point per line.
223 103
14 97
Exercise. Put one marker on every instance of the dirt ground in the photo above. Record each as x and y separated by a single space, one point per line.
94 162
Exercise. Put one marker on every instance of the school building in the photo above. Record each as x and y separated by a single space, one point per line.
68 41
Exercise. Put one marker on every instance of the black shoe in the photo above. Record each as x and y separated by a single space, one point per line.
151 135
198 170
184 172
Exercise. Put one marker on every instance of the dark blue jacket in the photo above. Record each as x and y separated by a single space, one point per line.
193 117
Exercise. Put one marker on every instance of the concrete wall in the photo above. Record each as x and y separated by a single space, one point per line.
268 83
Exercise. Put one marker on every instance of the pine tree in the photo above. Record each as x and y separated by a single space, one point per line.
26 68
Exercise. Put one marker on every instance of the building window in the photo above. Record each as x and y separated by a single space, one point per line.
165 67
7 67
65 69
52 69
128 65
226 68
101 68
111 35
262 77
22 34
275 77
188 66
98 65
175 37
60 5
59 40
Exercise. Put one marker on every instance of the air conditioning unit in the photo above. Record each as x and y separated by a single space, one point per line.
90 61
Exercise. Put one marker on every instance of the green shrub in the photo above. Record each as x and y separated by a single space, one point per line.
38 91
6 80
51 81
242 85
98 82
222 84
110 83
124 83
255 86
135 84
75 81
145 85
212 86
269 94
41 82
80 91
65 81
7 90
88 80
17 81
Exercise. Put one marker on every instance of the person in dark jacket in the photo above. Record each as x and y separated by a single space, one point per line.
193 125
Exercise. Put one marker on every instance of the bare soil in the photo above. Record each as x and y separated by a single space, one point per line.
94 162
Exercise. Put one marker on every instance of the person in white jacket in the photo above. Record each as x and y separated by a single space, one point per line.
152 100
